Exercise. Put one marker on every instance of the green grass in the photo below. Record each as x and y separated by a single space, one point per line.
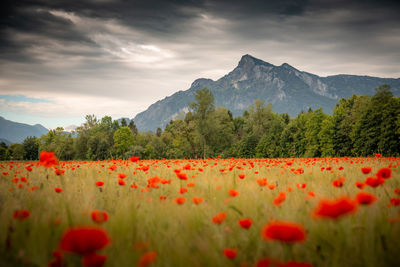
184 235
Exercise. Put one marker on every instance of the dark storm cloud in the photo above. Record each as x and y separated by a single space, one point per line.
132 53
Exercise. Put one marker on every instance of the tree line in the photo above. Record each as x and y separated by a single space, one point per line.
359 126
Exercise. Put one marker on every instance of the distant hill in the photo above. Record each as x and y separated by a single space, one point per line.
287 88
16 132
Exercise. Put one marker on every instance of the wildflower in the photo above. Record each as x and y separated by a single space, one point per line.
245 223
230 253
182 190
395 202
335 208
113 167
360 185
58 190
374 182
182 176
99 183
122 175
384 173
271 186
233 193
180 200
241 176
84 240
147 259
59 172
48 159
134 159
57 262
262 182
29 168
366 170
283 231
338 182
219 218
99 216
21 214
365 198
280 199
197 200
121 182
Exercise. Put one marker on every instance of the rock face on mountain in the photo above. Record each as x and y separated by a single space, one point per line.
16 132
287 88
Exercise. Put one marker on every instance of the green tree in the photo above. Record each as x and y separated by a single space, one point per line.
325 137
202 110
17 151
123 140
31 148
133 127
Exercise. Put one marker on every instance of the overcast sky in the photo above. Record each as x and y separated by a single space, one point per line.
63 59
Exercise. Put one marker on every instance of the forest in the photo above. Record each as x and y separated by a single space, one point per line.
359 126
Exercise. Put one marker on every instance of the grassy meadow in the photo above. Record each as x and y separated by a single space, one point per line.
151 218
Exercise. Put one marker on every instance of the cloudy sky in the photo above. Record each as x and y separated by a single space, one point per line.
63 59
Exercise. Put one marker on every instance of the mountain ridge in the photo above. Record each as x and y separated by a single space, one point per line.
16 132
288 89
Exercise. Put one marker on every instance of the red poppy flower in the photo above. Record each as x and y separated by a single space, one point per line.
395 202
29 168
241 176
134 159
338 182
182 190
271 186
99 183
180 200
245 223
57 262
262 182
48 159
366 170
280 199
147 259
219 218
59 172
84 240
121 182
335 208
182 175
397 191
374 182
230 253
360 185
197 200
233 193
384 173
21 214
365 198
122 175
284 232
99 216
94 260
113 167
58 190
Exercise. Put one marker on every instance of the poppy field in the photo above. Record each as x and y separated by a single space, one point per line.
213 212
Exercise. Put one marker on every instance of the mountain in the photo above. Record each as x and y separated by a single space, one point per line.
287 88
16 132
